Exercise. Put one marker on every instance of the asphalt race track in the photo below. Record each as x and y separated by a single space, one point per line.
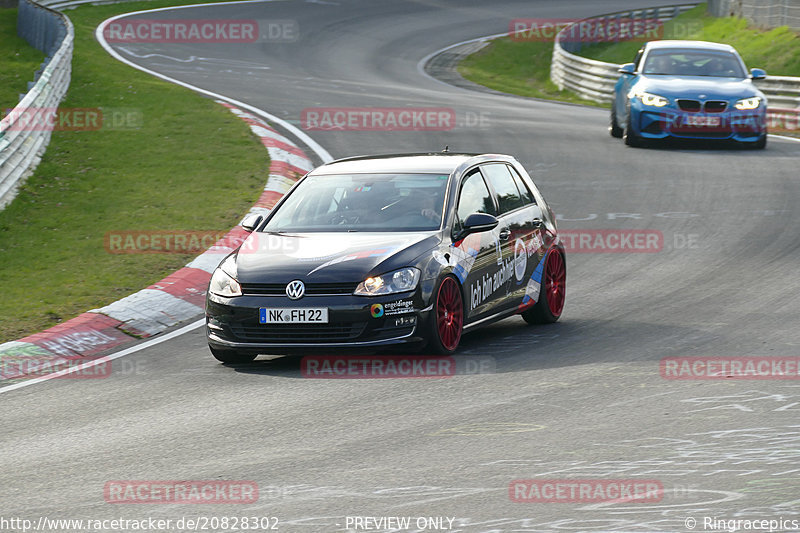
580 399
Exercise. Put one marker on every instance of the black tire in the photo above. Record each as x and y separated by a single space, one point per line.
439 342
541 313
630 138
614 128
761 143
232 356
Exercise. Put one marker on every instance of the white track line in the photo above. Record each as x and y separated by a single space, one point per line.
311 143
297 132
107 358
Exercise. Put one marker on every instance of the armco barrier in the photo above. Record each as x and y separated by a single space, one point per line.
176 298
594 80
21 148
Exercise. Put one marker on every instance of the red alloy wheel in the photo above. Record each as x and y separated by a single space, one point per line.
555 283
449 314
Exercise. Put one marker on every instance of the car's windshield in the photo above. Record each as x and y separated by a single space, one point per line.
687 62
363 202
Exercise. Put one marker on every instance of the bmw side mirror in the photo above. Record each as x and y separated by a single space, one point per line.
479 222
627 68
758 73
251 222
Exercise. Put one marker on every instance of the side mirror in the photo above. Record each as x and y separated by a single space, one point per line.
627 68
251 222
479 222
758 74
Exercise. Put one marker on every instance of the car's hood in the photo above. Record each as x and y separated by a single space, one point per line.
695 86
327 257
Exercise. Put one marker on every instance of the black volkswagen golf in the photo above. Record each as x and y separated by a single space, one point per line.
368 252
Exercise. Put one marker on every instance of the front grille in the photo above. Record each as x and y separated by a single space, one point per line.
707 134
288 333
716 106
689 105
312 289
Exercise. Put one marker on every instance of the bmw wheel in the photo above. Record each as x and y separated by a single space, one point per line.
615 129
630 138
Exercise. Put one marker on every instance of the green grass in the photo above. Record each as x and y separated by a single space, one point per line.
192 165
20 61
516 67
523 67
777 50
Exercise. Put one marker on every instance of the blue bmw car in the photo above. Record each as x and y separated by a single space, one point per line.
688 90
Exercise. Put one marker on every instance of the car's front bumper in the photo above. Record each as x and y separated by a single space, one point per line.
233 323
741 126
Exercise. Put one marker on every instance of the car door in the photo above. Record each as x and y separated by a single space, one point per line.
519 234
475 257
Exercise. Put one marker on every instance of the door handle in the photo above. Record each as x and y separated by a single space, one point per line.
505 233
537 223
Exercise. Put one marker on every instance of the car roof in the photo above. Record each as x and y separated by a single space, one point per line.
432 162
700 45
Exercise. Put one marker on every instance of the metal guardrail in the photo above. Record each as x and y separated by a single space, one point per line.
768 13
594 80
24 134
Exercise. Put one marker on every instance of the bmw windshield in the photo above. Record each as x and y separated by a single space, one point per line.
362 202
688 62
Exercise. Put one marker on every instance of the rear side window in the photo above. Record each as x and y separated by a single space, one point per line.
505 189
474 198
524 191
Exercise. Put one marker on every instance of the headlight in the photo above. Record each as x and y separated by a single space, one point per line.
649 99
748 103
223 281
402 280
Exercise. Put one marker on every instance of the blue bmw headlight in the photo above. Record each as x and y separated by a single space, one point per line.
649 99
754 102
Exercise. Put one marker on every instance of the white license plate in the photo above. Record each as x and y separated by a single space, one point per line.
703 121
293 315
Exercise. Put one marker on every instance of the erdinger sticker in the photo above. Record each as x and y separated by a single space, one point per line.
398 308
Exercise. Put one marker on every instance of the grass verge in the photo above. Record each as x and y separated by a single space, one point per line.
189 165
20 61
516 67
523 67
776 50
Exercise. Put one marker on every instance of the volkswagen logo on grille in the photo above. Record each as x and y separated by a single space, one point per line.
295 289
